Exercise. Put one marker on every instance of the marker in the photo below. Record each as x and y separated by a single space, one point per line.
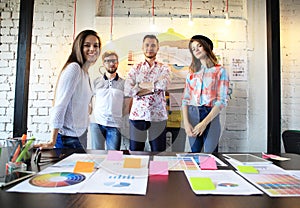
25 149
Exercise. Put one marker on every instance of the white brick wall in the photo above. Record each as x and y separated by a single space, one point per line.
290 49
52 38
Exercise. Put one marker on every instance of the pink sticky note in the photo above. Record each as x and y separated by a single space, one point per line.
114 155
158 168
207 163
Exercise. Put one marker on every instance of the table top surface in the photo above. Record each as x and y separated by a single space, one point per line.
162 191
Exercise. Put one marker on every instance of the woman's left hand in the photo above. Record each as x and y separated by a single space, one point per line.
199 129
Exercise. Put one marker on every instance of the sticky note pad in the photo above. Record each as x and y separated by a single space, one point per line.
247 169
158 168
207 163
132 163
114 155
202 183
84 167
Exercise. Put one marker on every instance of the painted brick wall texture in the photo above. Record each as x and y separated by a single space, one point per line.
52 38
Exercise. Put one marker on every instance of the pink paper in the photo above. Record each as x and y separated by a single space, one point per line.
207 163
114 155
158 168
267 156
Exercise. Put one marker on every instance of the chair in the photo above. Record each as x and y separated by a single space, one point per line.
291 141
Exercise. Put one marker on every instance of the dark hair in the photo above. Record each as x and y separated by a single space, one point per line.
207 46
77 47
151 37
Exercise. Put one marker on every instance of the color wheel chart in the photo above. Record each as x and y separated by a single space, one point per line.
276 184
57 179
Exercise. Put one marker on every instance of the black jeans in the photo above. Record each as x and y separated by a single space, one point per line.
156 133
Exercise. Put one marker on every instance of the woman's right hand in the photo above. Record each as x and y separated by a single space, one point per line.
189 130
48 145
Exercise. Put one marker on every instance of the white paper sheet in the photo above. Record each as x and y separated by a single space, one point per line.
226 182
178 163
71 160
196 157
72 181
123 181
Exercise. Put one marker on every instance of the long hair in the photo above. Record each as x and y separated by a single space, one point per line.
196 63
77 48
77 52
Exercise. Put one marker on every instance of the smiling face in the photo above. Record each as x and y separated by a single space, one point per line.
150 48
198 50
91 48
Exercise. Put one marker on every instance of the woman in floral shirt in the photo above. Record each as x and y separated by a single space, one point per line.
205 95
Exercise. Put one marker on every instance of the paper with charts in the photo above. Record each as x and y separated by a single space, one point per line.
71 160
219 182
274 181
178 163
122 181
202 156
53 180
126 176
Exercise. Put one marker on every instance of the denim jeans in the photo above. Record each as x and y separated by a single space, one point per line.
97 138
68 142
138 135
100 133
209 140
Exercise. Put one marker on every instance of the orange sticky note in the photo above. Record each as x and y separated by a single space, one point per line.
132 163
84 167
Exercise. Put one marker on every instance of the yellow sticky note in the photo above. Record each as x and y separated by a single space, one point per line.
84 167
202 183
247 169
132 163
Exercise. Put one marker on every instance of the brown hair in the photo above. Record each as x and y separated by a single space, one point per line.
207 46
77 48
77 52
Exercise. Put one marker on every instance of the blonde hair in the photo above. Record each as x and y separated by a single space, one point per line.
109 53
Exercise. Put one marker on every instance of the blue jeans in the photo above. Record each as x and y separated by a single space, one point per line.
100 133
209 140
138 135
68 142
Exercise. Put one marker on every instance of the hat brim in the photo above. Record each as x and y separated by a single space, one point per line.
206 39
